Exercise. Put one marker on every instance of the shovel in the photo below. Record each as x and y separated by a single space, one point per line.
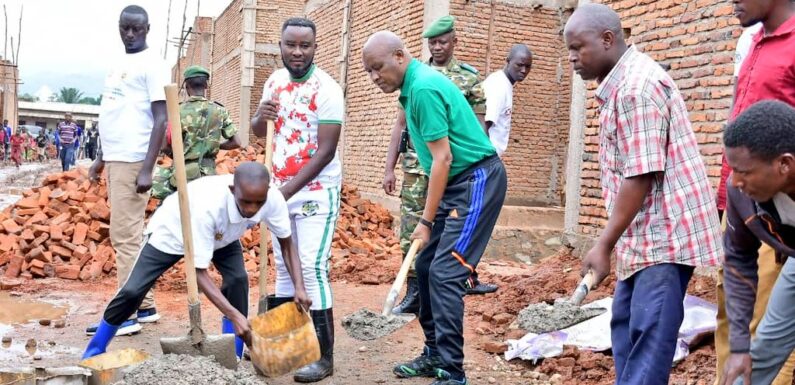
543 318
367 325
262 307
196 343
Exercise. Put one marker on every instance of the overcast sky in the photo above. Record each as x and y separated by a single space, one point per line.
69 43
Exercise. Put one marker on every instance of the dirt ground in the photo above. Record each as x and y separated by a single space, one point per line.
356 361
59 310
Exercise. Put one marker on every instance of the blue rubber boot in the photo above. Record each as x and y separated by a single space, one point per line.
228 328
105 332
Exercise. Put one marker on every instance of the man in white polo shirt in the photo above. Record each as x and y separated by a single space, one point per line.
222 208
132 124
498 88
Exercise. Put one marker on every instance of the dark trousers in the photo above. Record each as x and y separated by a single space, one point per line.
152 263
461 230
647 314
91 151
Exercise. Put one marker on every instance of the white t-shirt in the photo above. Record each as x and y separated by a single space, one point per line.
499 104
303 105
744 46
125 117
786 208
215 219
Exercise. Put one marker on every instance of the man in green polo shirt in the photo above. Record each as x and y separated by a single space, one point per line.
466 189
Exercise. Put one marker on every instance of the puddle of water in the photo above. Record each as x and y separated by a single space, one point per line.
14 310
21 351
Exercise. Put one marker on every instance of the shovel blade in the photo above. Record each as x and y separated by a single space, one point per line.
222 347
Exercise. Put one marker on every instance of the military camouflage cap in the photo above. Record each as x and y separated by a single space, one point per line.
194 71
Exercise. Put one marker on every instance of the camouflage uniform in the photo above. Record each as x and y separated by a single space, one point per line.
415 181
205 126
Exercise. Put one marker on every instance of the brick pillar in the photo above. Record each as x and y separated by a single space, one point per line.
575 151
248 43
434 9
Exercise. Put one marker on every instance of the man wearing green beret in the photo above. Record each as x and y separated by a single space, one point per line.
441 42
207 128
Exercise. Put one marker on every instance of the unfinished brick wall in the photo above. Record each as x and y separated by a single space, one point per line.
697 38
371 113
197 51
225 84
270 17
535 159
328 18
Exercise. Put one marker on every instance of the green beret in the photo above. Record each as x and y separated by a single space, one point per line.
194 71
441 26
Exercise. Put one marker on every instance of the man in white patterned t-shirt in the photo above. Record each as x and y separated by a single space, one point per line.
307 107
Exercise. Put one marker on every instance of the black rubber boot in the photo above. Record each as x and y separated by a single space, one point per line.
318 370
274 301
411 302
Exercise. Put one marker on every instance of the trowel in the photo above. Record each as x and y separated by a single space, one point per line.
222 347
388 321
544 318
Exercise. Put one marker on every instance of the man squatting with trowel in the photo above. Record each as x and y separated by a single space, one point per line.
307 106
660 206
222 208
466 190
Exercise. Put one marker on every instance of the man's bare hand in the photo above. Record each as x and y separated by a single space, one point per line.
95 171
389 182
268 110
739 364
598 260
143 182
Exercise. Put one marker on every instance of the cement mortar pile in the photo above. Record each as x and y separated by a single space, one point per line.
171 369
62 229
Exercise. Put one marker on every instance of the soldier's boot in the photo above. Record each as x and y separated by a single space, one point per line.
411 302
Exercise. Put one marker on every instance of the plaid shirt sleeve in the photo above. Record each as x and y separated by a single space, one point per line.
642 135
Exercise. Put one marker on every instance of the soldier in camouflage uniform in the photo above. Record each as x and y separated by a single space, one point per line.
441 41
207 128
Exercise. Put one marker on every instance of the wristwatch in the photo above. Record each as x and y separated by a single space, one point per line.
426 222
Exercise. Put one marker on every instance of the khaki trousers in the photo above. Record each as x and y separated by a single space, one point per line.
127 210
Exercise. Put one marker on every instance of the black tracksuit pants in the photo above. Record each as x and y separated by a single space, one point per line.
152 263
461 230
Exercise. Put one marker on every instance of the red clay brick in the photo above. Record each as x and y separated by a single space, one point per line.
11 226
67 272
14 267
56 233
80 233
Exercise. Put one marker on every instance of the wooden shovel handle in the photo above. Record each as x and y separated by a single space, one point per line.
583 288
172 106
263 228
401 278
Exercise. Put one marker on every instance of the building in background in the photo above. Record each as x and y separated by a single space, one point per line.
552 158
48 114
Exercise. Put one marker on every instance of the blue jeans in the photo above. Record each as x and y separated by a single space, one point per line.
647 314
67 154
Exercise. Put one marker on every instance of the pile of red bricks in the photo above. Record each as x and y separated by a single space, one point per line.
61 229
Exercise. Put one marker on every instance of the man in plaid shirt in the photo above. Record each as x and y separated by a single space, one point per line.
661 209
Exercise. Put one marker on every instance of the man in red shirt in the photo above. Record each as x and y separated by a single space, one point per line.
768 72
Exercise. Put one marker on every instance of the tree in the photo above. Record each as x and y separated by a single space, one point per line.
89 100
26 97
69 95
